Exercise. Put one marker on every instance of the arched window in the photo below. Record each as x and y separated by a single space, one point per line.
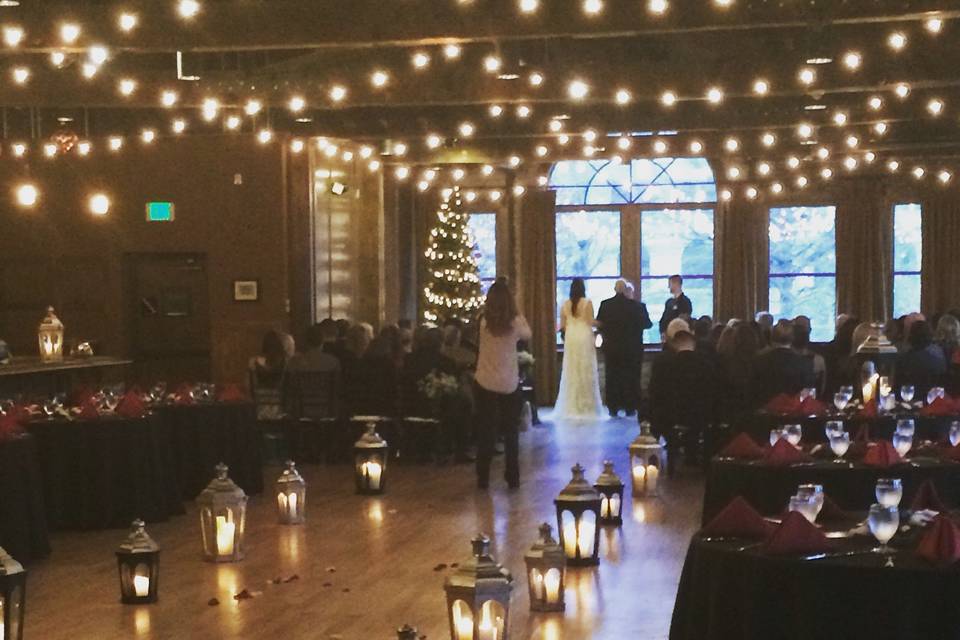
674 199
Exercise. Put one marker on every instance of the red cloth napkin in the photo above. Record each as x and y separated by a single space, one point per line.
231 393
863 433
738 519
869 410
812 407
796 535
79 395
9 427
881 454
941 543
783 453
927 498
831 511
131 406
88 410
785 405
940 407
742 447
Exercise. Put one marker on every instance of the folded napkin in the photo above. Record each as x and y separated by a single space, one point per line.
739 520
742 447
783 453
812 407
88 410
831 510
796 535
881 454
927 498
79 395
941 543
784 405
231 393
21 413
10 427
940 407
131 406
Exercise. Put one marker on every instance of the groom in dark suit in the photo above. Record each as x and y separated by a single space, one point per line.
622 322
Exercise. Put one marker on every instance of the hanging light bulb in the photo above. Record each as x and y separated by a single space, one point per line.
623 97
555 126
880 128
297 104
467 129
850 163
823 153
434 141
380 78
188 9
69 32
852 60
933 25
233 122
89 70
168 98
98 54
524 111
659 147
826 173
420 60
897 41
731 145
804 130
57 58
20 75
776 188
807 76
210 108
944 176
768 139
127 86
452 51
27 194
252 107
657 7
715 95
495 111
802 182
264 136
528 6
578 89
875 103
148 136
696 147
840 118
590 135
536 79
624 143
763 169
12 36
115 143
668 98
902 90
338 93
178 126
852 141
893 166
99 204
793 162
919 172
761 87
935 107
127 21
492 64
592 7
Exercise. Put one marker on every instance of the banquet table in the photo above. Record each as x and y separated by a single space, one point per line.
203 435
883 426
23 523
105 472
850 485
730 588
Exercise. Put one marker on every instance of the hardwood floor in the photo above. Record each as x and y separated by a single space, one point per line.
367 565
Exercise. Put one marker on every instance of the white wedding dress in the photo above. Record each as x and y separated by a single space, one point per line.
579 397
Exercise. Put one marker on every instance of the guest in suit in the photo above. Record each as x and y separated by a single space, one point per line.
781 369
315 357
329 332
622 322
923 366
737 350
801 344
678 304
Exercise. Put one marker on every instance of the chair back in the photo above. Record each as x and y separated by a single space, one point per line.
314 395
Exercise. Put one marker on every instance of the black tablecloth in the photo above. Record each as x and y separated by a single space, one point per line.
204 435
23 522
728 594
852 487
105 473
933 428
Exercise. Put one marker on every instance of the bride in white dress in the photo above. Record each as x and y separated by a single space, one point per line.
579 397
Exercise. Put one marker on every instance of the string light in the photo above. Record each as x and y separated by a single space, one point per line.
624 143
715 95
761 87
840 118
98 54
188 9
373 165
893 166
338 93
850 163
731 145
853 141
542 151
696 147
524 111
919 172
69 32
169 98
127 21
804 130
296 104
590 135
210 108
366 152
420 60
99 204
826 173
127 86
57 58
487 170
434 141
935 107
265 136
592 7
380 78
933 25
668 98
578 89
536 79
233 122
763 169
793 162
807 76
89 70
897 41
802 182
529 6
148 136
115 143
875 103
495 111
492 64
768 139
12 36
83 148
852 60
467 129
776 188
944 176
252 107
823 153
27 194
178 126
657 7
659 147
50 149
21 75
623 97
902 90
452 51
19 149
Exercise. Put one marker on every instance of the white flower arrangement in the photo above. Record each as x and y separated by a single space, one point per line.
436 385
525 359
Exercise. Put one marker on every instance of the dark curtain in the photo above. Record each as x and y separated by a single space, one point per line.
538 273
941 251
864 227
741 259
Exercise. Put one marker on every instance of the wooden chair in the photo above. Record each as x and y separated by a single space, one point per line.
312 399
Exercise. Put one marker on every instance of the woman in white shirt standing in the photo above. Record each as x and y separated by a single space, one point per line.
498 398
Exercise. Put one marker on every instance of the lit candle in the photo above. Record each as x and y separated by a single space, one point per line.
552 584
282 501
372 472
462 623
614 506
292 505
586 538
604 507
885 388
639 476
225 531
570 538
487 629
652 474
537 580
141 586
867 393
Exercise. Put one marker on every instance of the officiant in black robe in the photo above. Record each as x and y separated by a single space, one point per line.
621 322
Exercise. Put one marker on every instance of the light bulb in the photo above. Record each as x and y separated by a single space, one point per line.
657 7
210 108
897 40
731 144
98 54
115 143
233 122
89 70
338 93
19 149
563 139
944 176
188 8
919 172
807 76
725 195
148 136
768 139
852 60
578 89
592 7
169 98
776 188
590 135
840 118
823 153
127 21
761 87
84 147
524 111
752 193
793 162
487 170
733 173
495 111
420 60
20 75
623 97
99 204
536 79
12 36
27 195
893 166
379 78
452 51
69 32
804 130
555 126
696 147
434 141
400 149
529 6
467 129
57 58
659 147
826 173
902 90
624 143
880 128
178 126
933 25
514 161
127 86
802 181
850 163
542 151
50 149
492 64
935 107
296 104
668 98
869 157
715 95
366 152
853 141
875 103
264 136
252 107
763 169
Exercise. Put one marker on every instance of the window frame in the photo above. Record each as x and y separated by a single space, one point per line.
903 202
495 214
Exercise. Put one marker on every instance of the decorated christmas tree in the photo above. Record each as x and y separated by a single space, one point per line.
452 288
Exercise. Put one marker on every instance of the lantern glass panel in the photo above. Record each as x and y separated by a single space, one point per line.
462 620
610 506
536 585
11 610
551 585
579 535
370 471
493 619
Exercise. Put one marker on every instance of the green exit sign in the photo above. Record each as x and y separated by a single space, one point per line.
160 212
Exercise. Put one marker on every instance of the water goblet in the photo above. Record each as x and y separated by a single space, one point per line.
906 427
884 523
808 392
815 493
847 391
840 400
889 491
840 444
805 505
884 386
907 392
954 433
775 434
935 393
49 407
902 443
833 428
794 433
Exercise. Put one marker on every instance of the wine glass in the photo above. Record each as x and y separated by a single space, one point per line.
902 443
954 433
884 386
847 391
808 392
906 427
833 428
889 491
775 434
936 392
805 505
49 407
840 400
794 433
907 392
884 523
840 444
815 493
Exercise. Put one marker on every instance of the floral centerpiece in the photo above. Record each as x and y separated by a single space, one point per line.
436 385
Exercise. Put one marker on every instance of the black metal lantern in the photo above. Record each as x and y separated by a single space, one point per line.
610 487
545 565
13 597
406 632
648 457
223 518
291 496
370 459
578 514
138 560
478 596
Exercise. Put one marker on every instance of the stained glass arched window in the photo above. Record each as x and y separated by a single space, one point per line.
643 181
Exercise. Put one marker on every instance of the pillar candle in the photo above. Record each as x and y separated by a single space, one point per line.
225 532
570 538
552 584
615 506
653 473
141 586
373 471
586 538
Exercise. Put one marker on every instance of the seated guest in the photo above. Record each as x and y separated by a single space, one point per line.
948 336
392 343
923 366
379 372
453 348
737 349
839 356
427 355
267 372
315 357
781 369
683 386
309 395
330 335
764 323
893 329
351 373
801 344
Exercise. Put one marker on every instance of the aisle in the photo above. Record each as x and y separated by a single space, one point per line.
367 565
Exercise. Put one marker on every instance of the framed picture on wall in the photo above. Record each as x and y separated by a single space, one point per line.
246 290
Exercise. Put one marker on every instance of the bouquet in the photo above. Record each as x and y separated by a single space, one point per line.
525 359
436 385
